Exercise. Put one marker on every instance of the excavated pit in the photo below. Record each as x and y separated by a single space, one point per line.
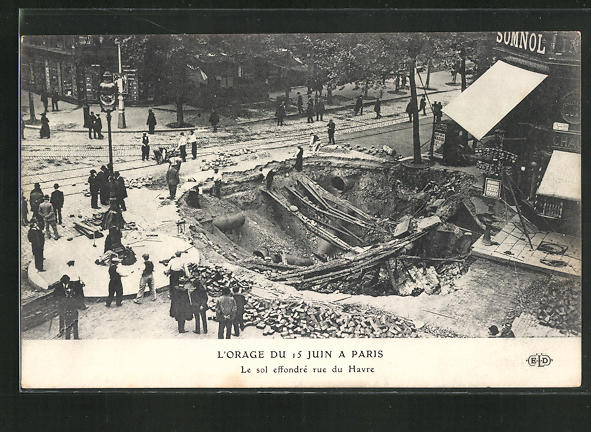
331 211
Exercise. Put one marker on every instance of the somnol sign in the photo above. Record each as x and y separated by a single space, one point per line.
525 40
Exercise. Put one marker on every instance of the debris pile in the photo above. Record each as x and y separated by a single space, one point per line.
215 278
560 308
296 318
431 280
139 182
224 159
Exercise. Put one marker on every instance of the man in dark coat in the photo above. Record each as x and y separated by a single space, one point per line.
299 165
423 105
199 305
91 123
310 110
280 114
70 298
86 113
151 122
24 210
94 189
102 179
113 240
239 319
319 109
98 126
57 201
113 216
145 147
120 190
44 99
22 128
378 108
300 104
172 180
37 239
409 111
358 105
35 198
180 304
115 285
331 130
44 131
439 111
214 119
55 97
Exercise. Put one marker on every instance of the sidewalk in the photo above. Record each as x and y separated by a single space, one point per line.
70 117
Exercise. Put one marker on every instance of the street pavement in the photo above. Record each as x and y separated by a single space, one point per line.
70 117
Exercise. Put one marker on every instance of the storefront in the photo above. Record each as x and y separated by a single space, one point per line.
527 107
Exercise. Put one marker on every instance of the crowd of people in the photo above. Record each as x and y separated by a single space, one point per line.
105 184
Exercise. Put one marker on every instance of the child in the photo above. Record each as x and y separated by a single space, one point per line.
240 302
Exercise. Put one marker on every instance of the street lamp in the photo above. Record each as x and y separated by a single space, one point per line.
121 118
108 91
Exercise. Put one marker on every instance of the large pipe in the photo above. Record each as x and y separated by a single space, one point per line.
340 183
298 261
229 222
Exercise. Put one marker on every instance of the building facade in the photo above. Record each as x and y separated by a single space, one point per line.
547 123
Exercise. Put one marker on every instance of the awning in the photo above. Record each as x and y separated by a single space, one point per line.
491 97
562 178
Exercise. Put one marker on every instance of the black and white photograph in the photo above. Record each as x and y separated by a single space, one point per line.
343 194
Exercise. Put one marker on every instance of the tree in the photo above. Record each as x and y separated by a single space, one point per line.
169 58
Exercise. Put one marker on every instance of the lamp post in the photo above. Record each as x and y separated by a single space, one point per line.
108 90
121 118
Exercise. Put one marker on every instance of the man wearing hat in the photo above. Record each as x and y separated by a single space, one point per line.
72 272
70 299
35 236
146 279
48 214
36 198
94 187
115 285
172 179
57 201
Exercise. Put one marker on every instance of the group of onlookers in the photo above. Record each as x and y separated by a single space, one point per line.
105 185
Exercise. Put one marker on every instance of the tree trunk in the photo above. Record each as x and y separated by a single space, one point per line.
329 94
180 118
365 88
31 108
416 141
428 74
287 90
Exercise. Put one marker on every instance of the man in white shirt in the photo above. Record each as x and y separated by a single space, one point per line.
176 268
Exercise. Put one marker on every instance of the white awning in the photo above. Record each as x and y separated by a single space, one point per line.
491 97
562 178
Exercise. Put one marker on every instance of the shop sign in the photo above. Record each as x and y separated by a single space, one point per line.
492 188
526 41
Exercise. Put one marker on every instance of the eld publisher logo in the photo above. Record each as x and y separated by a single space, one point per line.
539 360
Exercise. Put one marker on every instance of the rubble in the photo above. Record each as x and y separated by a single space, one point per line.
217 277
560 308
296 318
223 159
